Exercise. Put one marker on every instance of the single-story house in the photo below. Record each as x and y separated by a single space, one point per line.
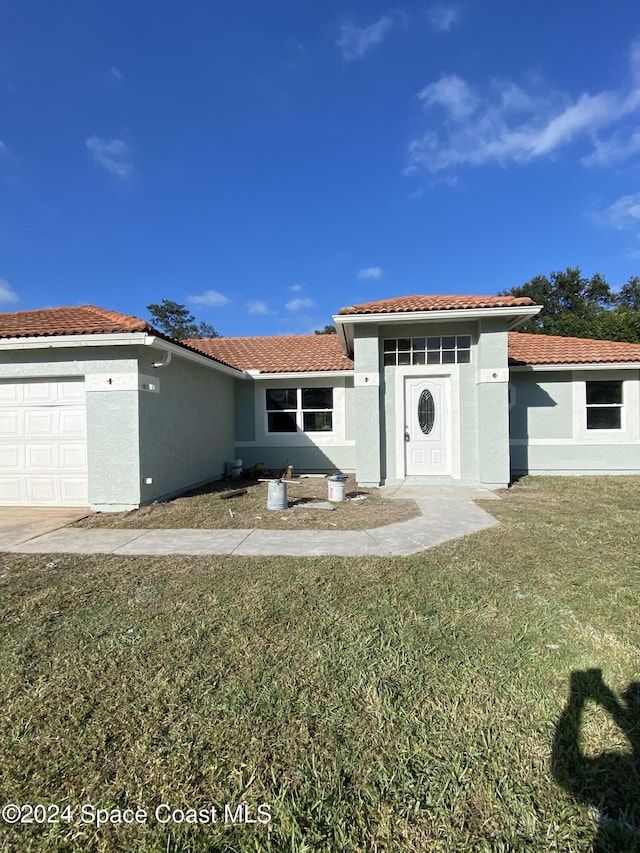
98 408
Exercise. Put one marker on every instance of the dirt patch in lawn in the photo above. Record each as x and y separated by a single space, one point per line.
211 508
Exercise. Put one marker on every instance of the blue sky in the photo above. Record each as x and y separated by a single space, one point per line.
267 163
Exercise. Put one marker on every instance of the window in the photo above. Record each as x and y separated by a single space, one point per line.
281 409
604 404
317 405
305 409
449 349
426 412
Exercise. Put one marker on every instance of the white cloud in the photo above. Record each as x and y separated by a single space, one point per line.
299 304
4 150
295 288
370 272
443 17
453 94
209 297
509 125
257 307
623 213
7 295
355 42
613 150
114 156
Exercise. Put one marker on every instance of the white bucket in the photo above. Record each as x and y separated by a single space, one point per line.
234 468
336 489
277 495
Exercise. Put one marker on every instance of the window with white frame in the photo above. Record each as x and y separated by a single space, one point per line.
299 409
604 403
445 349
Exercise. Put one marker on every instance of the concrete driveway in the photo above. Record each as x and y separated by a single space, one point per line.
21 523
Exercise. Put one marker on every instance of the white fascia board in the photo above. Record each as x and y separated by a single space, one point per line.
597 365
191 355
308 374
114 339
344 322
519 315
55 341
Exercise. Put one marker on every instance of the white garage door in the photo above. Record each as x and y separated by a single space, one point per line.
43 443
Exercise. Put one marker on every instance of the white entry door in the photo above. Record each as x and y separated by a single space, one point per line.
427 426
43 443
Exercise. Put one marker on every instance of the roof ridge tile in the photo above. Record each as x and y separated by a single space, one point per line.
435 302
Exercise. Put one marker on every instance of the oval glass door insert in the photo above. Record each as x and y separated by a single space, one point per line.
426 411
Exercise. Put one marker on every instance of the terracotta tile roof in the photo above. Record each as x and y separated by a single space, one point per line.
552 349
278 354
436 303
77 320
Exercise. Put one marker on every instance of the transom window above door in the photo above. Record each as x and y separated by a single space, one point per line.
447 349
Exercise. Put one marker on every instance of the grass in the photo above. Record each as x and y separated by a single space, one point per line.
207 508
415 704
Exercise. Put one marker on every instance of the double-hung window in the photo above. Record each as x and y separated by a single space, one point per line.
604 404
299 409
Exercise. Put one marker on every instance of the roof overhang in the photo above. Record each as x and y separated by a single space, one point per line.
344 323
595 365
192 355
301 374
44 342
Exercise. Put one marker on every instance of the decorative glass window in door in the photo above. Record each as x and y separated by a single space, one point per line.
426 411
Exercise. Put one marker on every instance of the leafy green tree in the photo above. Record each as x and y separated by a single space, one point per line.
178 322
206 330
581 307
629 296
328 330
621 324
571 302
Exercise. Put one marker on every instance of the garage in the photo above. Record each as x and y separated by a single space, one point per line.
43 443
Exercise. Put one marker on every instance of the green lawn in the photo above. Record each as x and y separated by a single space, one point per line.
372 704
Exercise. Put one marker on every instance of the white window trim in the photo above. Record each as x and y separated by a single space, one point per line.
630 409
299 439
299 412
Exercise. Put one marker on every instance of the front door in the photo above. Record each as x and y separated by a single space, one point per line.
427 426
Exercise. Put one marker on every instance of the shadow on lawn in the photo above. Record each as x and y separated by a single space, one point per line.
610 782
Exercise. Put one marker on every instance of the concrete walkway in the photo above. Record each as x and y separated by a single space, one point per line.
447 513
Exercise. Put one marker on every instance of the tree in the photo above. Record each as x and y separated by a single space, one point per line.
206 330
178 322
328 330
581 307
629 296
